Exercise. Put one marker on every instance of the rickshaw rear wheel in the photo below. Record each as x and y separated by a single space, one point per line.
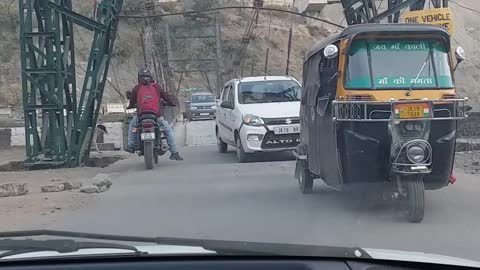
305 178
415 190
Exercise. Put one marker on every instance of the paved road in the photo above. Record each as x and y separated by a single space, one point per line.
209 195
201 133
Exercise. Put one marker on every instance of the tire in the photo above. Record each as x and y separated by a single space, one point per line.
305 178
155 156
221 146
415 190
148 154
241 155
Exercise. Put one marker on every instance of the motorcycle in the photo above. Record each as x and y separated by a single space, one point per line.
151 141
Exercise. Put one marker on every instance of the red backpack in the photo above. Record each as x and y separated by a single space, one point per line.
148 99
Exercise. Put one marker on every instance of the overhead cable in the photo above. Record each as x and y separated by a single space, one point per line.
137 16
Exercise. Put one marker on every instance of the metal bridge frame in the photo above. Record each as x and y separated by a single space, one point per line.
49 78
365 11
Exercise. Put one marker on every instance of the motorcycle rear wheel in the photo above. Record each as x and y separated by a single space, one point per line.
148 154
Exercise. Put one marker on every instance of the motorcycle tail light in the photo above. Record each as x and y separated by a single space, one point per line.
146 130
134 130
147 125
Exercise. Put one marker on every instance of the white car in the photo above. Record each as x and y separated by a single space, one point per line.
259 114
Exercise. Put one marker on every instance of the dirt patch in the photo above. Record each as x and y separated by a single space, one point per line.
13 166
469 161
97 162
102 162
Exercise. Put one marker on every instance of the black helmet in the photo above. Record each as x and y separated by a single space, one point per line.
143 72
145 76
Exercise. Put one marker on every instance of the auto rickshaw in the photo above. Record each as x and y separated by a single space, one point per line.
379 106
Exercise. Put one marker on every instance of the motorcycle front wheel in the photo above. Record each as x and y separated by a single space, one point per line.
148 153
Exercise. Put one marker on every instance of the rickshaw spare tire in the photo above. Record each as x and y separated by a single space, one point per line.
415 190
305 178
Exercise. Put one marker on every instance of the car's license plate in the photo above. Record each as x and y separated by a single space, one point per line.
287 129
204 114
412 110
148 136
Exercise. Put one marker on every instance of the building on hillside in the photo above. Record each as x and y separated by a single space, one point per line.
114 108
311 7
5 111
166 1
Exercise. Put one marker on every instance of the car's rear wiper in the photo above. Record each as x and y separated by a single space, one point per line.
221 247
15 247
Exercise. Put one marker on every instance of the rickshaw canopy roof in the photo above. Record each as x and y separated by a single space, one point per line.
372 28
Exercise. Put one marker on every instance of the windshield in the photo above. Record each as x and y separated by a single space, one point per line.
268 91
245 131
396 64
203 99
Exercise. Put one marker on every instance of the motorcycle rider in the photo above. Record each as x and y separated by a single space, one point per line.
145 79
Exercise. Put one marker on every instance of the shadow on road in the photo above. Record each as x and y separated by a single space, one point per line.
262 157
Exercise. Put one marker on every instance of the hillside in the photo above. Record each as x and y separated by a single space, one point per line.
271 33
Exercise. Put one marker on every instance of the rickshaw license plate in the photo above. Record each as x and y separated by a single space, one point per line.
287 129
412 110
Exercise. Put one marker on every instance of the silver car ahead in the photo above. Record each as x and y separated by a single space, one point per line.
201 106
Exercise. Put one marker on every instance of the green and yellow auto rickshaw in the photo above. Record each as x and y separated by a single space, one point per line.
379 106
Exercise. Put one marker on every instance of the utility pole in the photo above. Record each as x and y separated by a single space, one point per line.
243 67
157 77
163 78
143 49
289 48
265 72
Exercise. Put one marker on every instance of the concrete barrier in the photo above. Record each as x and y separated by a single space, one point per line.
15 136
5 138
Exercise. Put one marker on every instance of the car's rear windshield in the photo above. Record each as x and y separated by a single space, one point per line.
203 98
269 91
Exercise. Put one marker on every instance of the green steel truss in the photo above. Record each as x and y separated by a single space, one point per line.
367 11
58 128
